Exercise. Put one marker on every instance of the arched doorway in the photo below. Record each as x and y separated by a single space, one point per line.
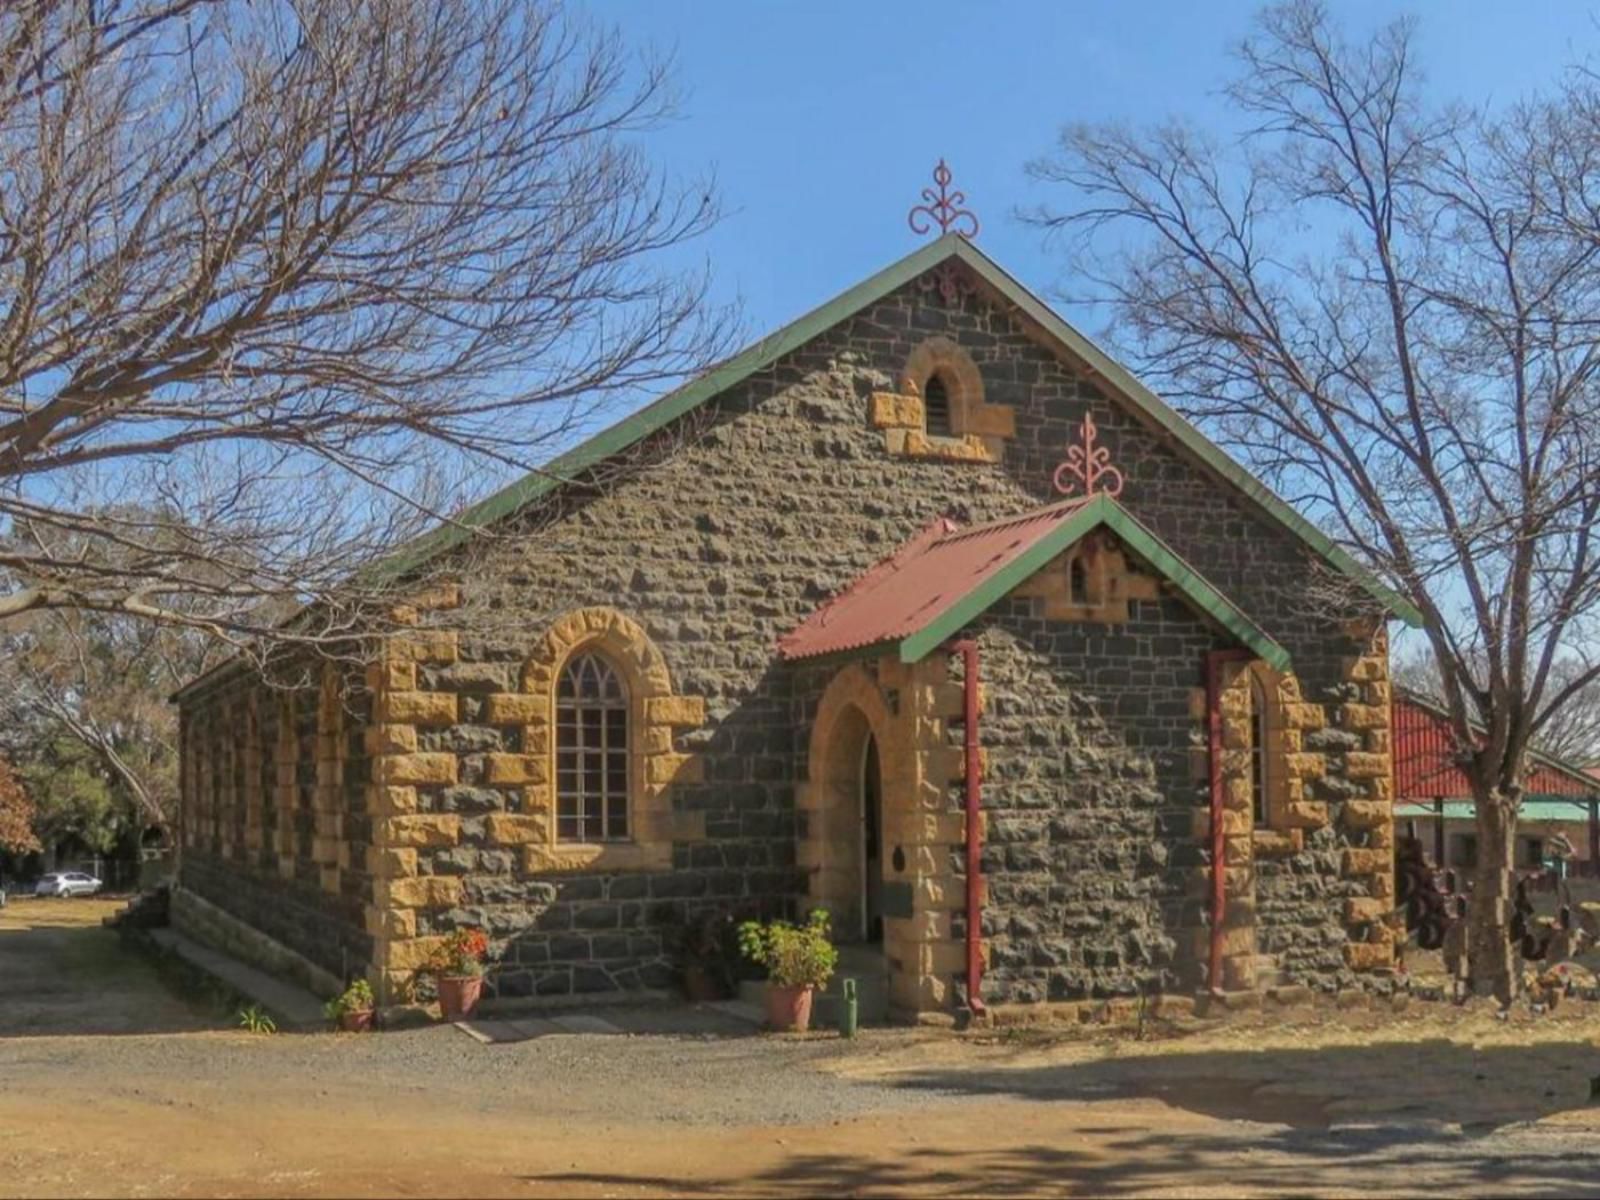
870 795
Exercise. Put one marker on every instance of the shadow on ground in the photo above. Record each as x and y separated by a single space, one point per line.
62 974
1386 1118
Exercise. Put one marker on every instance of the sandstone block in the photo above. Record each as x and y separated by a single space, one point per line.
1364 716
1305 766
1362 910
1367 862
891 410
392 801
674 768
518 768
992 420
518 708
1304 716
1358 765
411 954
392 923
390 739
1364 814
425 646
433 768
1306 814
1368 956
392 864
423 891
516 829
675 710
1272 843
423 829
420 708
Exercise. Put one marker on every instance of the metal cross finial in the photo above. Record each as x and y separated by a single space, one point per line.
943 208
1088 465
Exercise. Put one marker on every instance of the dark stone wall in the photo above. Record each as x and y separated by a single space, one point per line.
295 910
1090 854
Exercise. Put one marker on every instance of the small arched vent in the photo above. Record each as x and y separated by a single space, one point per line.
1077 582
936 408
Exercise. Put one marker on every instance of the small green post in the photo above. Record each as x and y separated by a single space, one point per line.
847 1013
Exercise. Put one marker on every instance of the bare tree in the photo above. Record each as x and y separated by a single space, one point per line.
1388 309
282 282
101 681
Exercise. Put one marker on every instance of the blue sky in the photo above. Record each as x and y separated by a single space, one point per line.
823 119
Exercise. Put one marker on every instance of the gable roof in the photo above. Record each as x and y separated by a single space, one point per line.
946 576
764 352
1425 767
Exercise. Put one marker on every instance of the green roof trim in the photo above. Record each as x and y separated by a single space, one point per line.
1185 433
660 413
1534 808
769 349
1098 512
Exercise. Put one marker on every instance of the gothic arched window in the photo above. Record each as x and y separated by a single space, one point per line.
591 752
1258 751
936 407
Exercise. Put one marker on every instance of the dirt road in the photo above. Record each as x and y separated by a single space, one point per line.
1435 1100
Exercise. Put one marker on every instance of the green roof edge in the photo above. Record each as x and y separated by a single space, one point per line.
1190 437
770 348
668 408
1102 510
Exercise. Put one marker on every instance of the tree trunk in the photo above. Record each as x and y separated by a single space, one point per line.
1491 956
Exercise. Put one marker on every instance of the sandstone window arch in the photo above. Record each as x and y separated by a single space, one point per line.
938 409
957 386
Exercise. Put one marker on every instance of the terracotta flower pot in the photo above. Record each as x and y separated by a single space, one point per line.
458 995
789 1007
356 1020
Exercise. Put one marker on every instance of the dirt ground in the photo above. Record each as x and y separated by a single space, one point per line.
109 1085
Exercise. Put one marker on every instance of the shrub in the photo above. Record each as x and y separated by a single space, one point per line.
357 997
794 955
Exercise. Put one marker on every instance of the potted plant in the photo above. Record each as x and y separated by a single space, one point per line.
799 959
457 968
711 948
352 1008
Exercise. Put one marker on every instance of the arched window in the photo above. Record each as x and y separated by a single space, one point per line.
591 752
1258 751
936 407
1077 582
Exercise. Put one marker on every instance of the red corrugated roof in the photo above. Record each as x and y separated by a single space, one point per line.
903 593
1425 769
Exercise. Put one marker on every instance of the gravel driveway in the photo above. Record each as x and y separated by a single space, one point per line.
1434 1099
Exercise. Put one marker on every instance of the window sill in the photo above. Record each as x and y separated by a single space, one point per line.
597 856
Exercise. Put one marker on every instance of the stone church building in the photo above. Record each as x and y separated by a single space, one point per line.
922 609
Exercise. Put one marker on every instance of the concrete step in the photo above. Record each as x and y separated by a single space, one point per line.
290 1006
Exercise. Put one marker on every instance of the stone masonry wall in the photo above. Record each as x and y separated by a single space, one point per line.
1095 872
721 534
273 824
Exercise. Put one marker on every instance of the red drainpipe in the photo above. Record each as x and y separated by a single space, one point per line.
1219 883
968 650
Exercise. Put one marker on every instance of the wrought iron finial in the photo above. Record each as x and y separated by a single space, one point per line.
943 208
1088 466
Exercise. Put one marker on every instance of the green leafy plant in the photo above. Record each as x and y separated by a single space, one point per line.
794 955
256 1021
357 997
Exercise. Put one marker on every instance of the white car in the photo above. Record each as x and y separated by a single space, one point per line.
66 883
